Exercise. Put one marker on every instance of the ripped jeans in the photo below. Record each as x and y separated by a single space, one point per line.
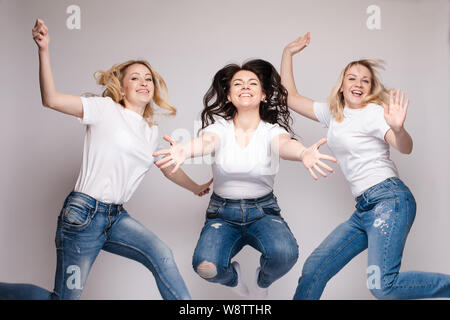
232 224
381 222
86 226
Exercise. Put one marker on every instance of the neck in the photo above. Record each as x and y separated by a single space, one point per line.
139 109
247 120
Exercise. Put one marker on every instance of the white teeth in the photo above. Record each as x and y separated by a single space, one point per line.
245 95
357 92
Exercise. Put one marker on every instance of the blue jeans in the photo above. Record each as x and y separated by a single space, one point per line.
232 224
381 222
86 226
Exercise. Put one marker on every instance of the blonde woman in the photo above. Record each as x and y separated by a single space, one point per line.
119 142
363 121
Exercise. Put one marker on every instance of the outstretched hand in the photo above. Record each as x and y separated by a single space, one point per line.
311 158
395 112
299 44
40 34
175 155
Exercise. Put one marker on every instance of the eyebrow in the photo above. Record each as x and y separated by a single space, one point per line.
252 79
147 74
351 74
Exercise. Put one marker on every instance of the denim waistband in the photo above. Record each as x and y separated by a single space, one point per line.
388 183
268 196
92 203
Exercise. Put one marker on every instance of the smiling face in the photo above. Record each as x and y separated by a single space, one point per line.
245 90
137 85
356 85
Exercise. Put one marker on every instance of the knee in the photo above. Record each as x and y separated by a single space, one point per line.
285 256
206 270
383 293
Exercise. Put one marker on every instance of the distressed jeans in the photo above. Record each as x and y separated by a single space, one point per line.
381 222
86 226
232 224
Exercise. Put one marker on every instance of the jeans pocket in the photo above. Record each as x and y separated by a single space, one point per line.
75 216
271 209
213 210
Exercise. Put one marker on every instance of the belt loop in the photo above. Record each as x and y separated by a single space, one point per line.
96 206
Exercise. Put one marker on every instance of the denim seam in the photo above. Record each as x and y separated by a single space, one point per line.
329 259
150 260
229 255
264 252
388 241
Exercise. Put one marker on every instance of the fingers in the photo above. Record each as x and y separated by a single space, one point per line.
323 174
326 167
161 152
313 174
327 157
406 105
402 97
397 97
164 160
320 142
391 98
169 139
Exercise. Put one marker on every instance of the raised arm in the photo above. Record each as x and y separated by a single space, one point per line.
290 149
66 103
296 102
395 115
177 154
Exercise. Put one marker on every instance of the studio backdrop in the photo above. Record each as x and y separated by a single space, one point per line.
187 42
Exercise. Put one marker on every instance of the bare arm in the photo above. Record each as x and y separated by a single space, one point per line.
296 102
69 104
183 180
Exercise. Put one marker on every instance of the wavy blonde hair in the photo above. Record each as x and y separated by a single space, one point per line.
378 93
112 80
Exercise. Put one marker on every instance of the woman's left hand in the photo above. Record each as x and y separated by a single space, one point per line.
395 112
203 189
311 158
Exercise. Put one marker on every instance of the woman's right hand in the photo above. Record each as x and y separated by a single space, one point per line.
298 45
40 35
175 155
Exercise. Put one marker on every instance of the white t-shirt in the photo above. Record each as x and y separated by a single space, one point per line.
118 148
358 144
244 173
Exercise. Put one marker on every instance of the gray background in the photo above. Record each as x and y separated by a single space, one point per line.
187 42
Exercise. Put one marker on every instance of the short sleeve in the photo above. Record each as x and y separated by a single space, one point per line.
377 123
94 107
322 112
218 127
276 130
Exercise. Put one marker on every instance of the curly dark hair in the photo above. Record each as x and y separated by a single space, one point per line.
273 110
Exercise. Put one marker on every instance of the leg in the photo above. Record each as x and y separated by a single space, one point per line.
130 239
341 246
76 251
388 225
271 236
219 242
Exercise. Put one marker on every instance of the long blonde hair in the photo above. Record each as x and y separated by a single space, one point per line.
378 93
112 80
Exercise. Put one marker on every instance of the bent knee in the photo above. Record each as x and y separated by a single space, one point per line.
206 270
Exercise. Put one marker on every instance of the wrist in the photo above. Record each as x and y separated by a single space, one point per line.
302 154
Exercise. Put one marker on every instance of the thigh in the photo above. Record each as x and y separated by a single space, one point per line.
272 237
218 243
129 238
345 242
388 224
76 251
